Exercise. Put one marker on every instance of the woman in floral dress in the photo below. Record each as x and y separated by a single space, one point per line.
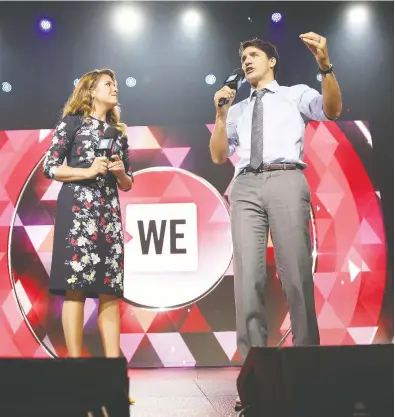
88 250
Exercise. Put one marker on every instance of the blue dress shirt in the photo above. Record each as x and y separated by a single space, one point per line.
286 111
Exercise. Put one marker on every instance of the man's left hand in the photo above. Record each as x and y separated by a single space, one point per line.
318 47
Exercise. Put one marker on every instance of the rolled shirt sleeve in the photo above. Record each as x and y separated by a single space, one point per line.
311 104
231 132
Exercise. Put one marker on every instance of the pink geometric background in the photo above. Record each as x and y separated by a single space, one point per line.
350 260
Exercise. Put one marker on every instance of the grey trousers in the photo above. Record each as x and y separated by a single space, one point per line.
279 200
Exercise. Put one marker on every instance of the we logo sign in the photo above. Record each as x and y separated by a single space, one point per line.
165 237
181 245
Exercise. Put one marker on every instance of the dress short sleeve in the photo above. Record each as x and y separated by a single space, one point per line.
125 157
61 144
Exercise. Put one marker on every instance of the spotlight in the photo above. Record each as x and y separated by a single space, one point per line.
319 77
128 20
6 87
76 82
131 82
276 17
191 18
45 25
211 79
357 14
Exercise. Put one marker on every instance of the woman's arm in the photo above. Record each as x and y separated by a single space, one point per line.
61 144
59 149
121 167
64 173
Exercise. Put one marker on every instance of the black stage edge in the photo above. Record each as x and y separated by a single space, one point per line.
63 387
318 381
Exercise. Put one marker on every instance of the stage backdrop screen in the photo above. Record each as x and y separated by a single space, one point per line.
179 307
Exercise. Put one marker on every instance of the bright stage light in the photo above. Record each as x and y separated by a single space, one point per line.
276 17
6 87
319 77
128 20
357 14
191 19
45 25
211 79
131 82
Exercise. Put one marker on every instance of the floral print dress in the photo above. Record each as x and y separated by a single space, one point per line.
88 251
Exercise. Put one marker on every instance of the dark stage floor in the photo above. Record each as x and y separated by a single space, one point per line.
183 392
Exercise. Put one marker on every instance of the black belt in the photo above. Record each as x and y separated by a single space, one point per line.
270 167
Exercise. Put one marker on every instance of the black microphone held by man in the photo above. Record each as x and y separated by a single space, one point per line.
234 82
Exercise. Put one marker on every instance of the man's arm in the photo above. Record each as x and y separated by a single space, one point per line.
224 134
332 100
219 144
223 140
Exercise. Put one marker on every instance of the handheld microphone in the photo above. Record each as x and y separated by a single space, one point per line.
106 143
234 82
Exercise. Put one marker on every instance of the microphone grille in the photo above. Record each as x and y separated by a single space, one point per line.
239 71
111 132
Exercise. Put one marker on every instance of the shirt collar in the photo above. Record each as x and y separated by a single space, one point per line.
273 86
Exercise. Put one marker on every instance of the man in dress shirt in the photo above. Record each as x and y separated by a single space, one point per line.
270 188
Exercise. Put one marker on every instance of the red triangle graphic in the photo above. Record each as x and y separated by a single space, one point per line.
237 357
210 127
319 300
162 323
3 205
331 201
325 282
324 144
320 211
362 317
176 156
348 340
328 319
372 291
178 316
323 226
145 355
332 336
329 185
47 244
127 236
195 322
176 188
129 322
366 235
220 215
3 138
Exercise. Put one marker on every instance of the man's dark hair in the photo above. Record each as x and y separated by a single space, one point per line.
268 48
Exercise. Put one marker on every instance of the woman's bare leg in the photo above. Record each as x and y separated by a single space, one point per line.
109 323
73 322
